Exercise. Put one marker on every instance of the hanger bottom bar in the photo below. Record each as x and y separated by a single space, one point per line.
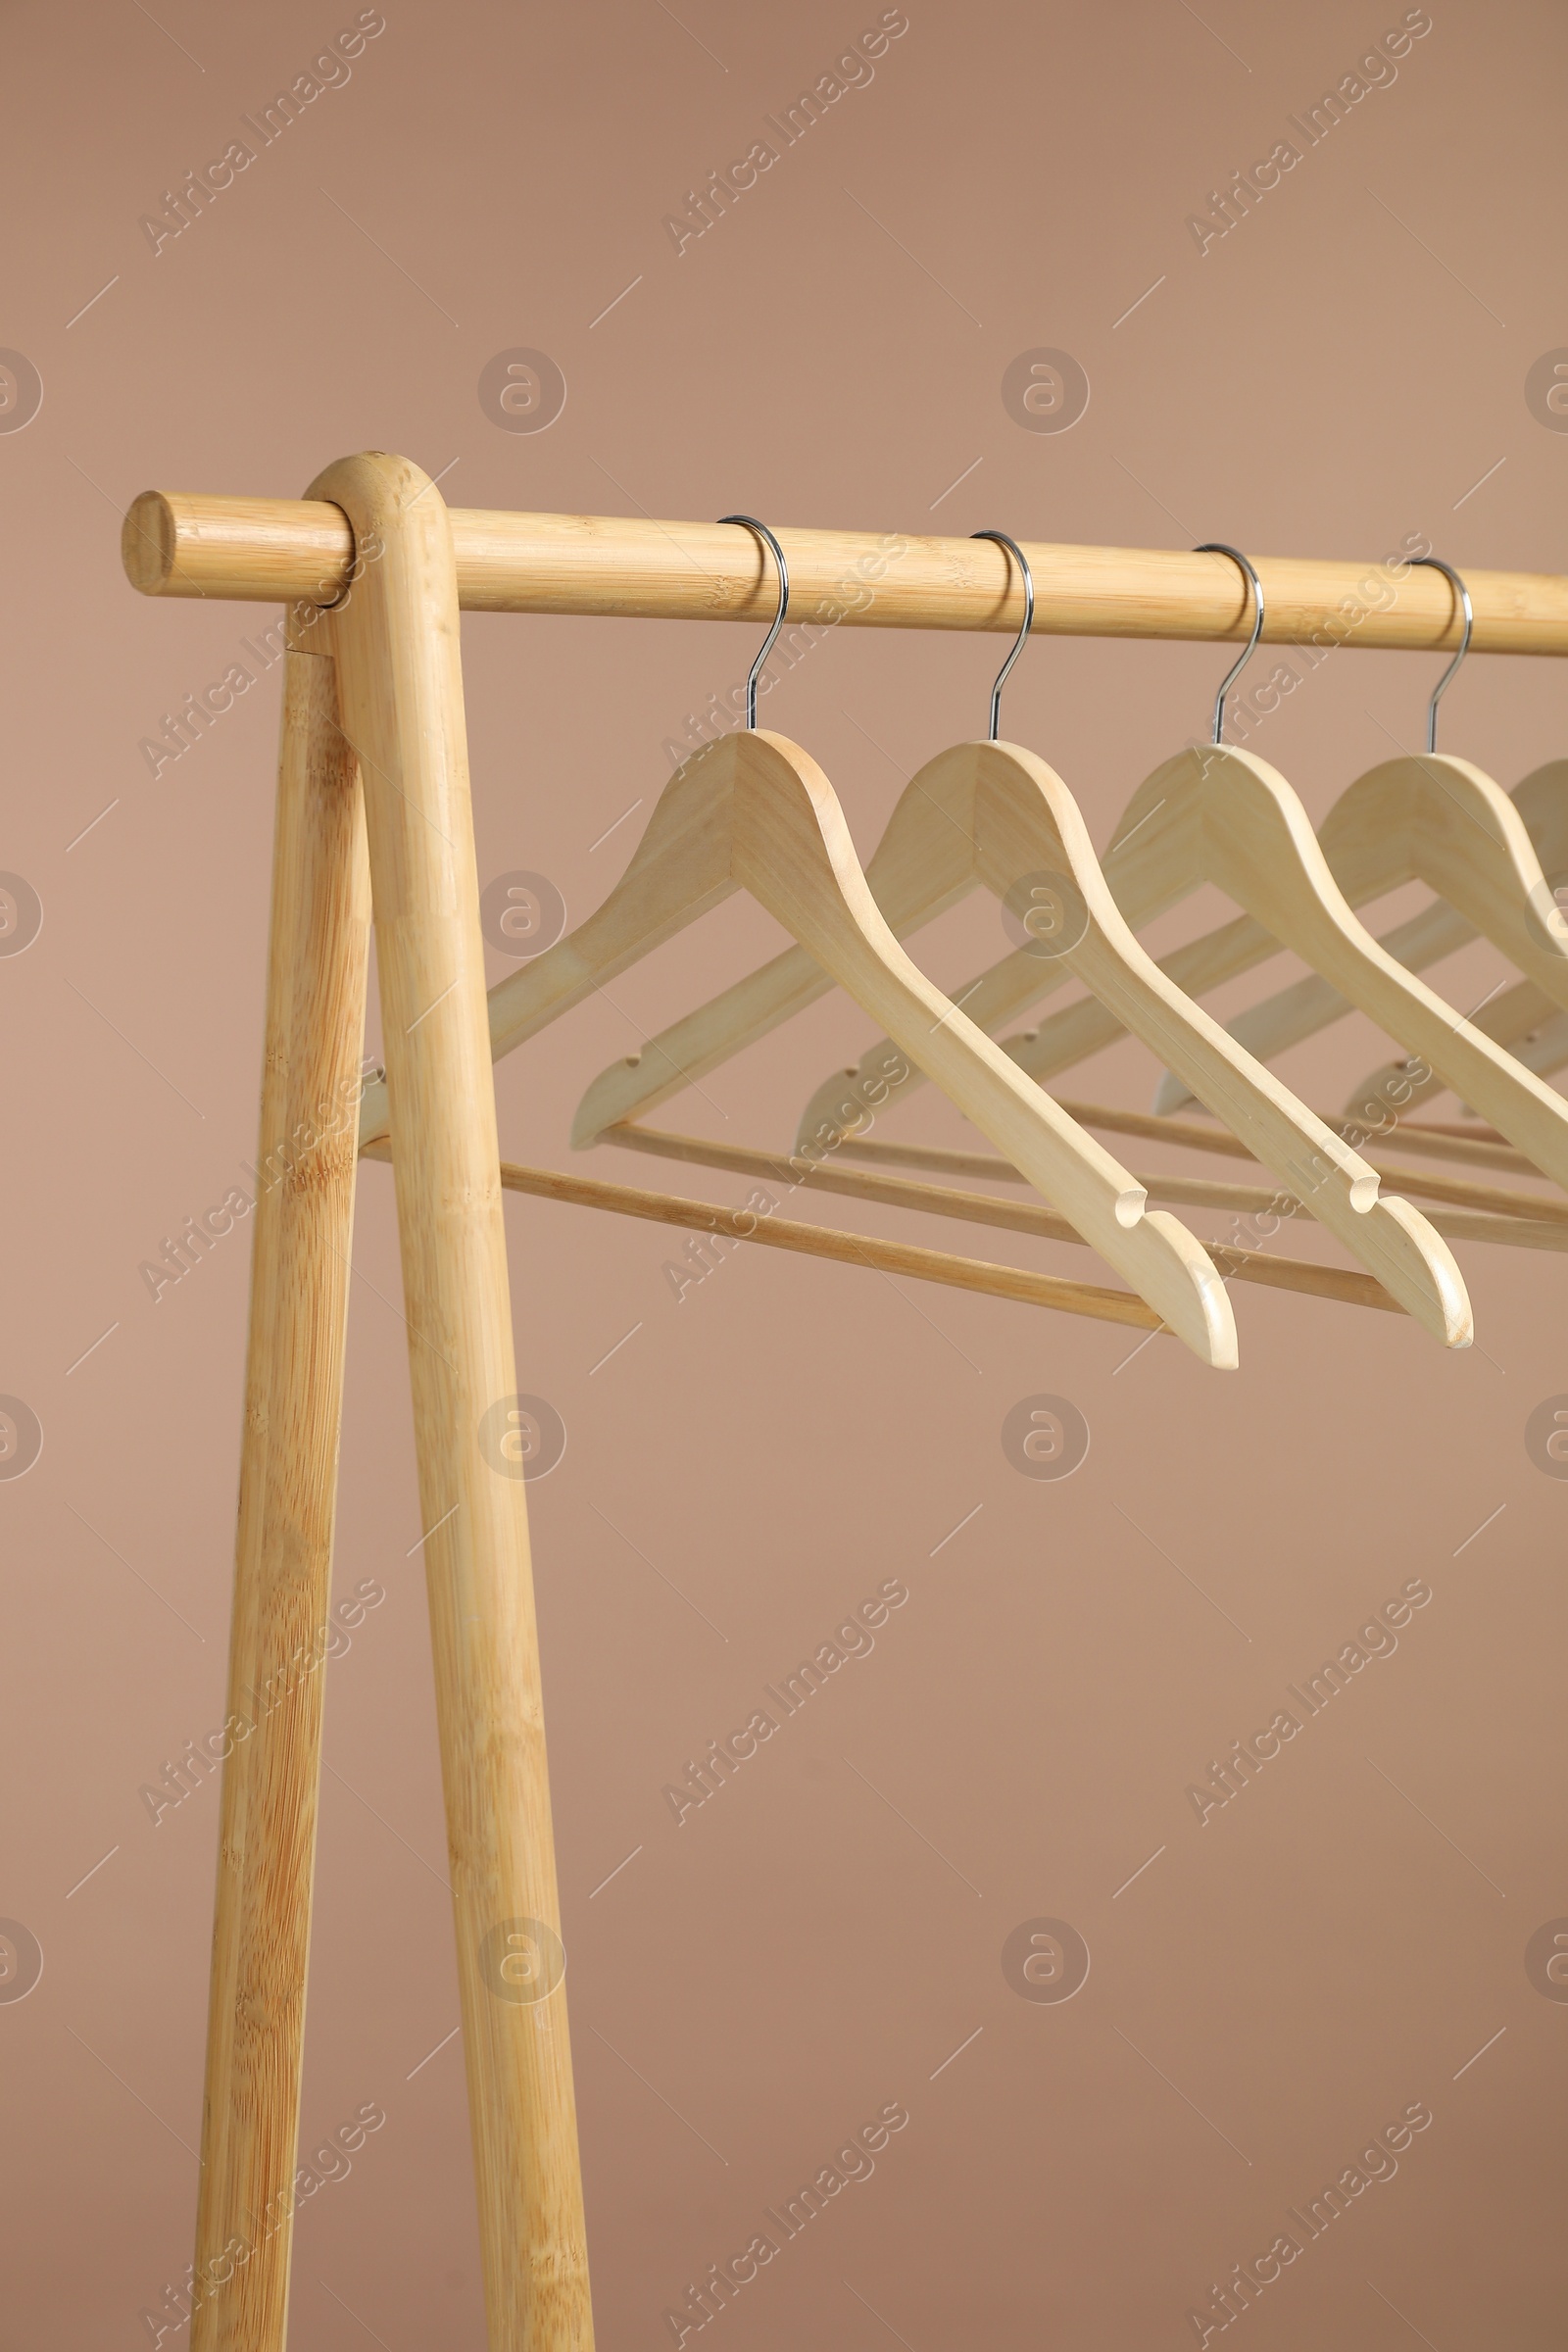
817 1241
1348 1288
1501 1206
1463 1224
1424 1142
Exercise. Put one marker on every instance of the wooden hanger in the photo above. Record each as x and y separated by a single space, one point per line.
992 813
754 811
1526 1017
1442 821
1217 814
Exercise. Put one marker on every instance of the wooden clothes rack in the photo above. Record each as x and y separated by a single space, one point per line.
373 822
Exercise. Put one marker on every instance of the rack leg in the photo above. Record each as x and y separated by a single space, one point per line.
401 680
304 1216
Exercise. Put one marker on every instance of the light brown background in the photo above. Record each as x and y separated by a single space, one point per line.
755 1983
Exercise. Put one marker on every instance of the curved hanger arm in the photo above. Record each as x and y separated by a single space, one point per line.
1439 930
1299 1010
1225 817
754 811
1442 821
679 870
793 852
1541 799
1068 1037
911 887
1029 835
1533 1029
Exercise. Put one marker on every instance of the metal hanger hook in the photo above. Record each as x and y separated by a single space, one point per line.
751 523
1447 680
1013 549
1218 547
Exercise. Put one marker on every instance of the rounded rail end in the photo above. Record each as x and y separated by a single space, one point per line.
147 542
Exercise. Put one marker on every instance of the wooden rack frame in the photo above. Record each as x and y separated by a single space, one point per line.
373 822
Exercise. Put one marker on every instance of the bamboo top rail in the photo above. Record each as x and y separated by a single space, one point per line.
280 550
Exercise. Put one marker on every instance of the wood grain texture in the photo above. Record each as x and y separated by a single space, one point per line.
982 1208
1458 1191
753 811
400 680
844 1248
1221 815
1451 825
1201 1135
188 544
986 815
304 1213
791 844
1444 822
1026 821
1520 1018
1066 1037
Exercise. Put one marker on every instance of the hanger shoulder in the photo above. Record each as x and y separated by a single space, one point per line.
793 852
923 862
1308 1005
680 867
1009 987
1522 1018
699 1042
1155 854
925 858
1030 833
1541 799
1068 1037
1022 978
1299 1010
1260 848
1446 822
1196 967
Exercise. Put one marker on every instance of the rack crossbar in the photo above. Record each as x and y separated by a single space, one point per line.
278 550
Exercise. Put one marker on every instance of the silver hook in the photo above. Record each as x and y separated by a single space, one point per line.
1218 547
1445 681
760 528
1001 539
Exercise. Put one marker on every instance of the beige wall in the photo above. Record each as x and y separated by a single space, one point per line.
1345 366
